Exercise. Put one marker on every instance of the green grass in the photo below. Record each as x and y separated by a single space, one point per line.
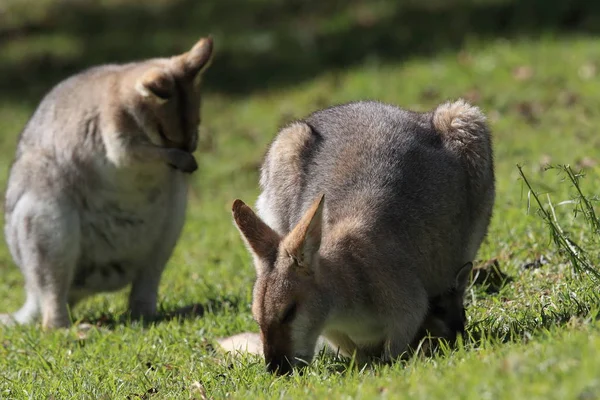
538 336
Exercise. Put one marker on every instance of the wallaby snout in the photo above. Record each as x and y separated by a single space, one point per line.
277 349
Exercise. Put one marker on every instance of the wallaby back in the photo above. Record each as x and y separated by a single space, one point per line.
424 179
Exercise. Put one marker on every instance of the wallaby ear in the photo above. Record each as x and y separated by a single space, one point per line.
157 83
195 61
462 277
304 241
261 240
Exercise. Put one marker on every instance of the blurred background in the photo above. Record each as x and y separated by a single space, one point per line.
260 43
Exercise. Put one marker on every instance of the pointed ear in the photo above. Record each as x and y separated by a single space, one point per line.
156 83
261 240
195 61
304 241
462 277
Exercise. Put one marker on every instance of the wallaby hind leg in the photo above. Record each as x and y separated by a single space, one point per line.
47 239
55 313
48 297
30 311
144 294
404 327
53 281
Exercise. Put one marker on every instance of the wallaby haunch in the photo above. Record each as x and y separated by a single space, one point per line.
96 196
366 212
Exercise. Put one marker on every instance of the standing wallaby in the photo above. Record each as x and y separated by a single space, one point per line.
96 197
367 211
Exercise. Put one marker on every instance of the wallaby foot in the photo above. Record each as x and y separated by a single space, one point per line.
30 311
55 312
143 310
46 234
143 296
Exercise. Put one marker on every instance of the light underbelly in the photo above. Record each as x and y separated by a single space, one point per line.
124 226
115 244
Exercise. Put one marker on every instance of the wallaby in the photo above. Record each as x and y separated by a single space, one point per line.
96 196
366 211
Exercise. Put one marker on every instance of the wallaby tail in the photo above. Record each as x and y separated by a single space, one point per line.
465 132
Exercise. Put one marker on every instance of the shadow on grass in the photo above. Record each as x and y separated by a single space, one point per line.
576 312
263 43
573 311
481 333
188 312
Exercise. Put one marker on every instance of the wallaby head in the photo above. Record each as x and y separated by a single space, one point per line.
163 95
287 303
446 317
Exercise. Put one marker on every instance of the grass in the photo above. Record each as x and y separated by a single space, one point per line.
537 336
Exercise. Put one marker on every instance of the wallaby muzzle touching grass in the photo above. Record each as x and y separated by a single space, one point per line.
97 194
367 211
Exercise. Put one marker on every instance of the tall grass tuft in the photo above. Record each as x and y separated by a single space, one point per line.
577 253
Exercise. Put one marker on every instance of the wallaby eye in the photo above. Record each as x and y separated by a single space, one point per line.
290 314
161 93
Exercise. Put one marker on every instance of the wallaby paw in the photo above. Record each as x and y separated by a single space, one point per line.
182 160
143 311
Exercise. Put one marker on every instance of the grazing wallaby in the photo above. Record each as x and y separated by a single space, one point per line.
96 197
445 319
367 211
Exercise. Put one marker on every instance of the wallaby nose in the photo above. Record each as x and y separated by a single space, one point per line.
279 366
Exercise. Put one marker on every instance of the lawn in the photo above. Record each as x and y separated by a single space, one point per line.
532 66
